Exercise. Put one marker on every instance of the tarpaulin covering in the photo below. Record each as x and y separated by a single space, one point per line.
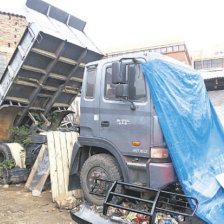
193 133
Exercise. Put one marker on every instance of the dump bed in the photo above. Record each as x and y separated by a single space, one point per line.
45 72
47 67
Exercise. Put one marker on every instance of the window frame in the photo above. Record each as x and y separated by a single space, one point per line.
89 69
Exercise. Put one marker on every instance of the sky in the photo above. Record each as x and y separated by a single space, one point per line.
116 25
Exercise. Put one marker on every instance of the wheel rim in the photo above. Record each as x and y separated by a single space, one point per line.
2 157
101 187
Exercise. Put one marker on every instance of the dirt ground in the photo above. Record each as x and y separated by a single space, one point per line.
18 206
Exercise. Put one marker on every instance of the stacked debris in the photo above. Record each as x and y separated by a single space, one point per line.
91 213
131 217
152 206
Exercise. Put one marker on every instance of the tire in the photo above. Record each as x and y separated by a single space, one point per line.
96 163
5 153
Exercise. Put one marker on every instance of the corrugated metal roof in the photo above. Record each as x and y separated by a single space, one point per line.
206 75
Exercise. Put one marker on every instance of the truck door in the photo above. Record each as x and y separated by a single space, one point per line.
127 129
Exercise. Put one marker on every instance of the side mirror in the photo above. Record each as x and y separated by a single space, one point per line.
121 91
118 73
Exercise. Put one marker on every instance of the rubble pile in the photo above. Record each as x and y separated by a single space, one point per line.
134 217
124 216
129 216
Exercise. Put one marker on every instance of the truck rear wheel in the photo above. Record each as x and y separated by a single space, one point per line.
5 153
101 166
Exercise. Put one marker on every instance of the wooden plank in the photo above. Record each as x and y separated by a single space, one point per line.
65 169
35 166
58 158
53 165
69 146
42 181
39 173
72 138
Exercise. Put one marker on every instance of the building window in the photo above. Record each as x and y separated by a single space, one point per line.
163 50
181 47
217 63
169 49
90 83
2 64
207 64
9 44
157 50
197 65
175 48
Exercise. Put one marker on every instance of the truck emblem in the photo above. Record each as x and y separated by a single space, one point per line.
123 122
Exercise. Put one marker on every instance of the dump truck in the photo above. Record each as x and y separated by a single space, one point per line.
120 138
42 78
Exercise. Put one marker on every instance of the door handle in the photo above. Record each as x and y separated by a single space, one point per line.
105 123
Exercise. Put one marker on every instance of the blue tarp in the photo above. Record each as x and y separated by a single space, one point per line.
193 133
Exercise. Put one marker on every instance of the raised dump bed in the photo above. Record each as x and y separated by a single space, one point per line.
46 70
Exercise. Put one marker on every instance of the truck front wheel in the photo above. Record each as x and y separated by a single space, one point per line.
102 166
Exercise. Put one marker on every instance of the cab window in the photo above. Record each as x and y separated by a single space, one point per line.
136 81
109 92
90 83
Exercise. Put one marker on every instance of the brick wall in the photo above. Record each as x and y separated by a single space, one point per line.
11 29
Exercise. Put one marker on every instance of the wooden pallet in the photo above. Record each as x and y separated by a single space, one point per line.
60 146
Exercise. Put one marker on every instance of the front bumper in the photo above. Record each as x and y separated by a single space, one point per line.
161 174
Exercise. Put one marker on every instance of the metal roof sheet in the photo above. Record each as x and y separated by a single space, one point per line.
212 74
58 23
46 70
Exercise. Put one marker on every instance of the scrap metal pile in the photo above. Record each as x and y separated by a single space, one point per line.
157 206
116 215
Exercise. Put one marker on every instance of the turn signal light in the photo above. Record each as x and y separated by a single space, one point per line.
136 143
159 153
